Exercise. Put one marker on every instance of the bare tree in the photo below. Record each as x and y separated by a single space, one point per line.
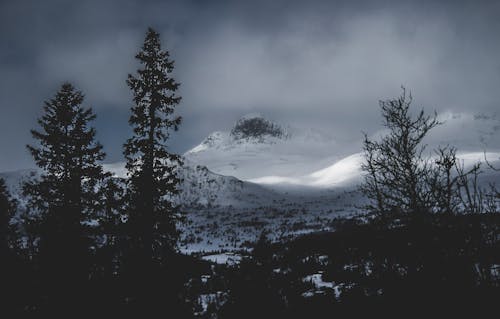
443 182
401 178
397 171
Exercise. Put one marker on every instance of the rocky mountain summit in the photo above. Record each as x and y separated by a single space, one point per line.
255 126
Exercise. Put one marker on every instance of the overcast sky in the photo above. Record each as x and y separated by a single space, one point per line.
306 63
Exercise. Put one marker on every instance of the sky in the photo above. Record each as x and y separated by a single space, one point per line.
321 64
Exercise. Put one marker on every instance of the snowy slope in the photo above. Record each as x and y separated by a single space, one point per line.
224 212
347 171
199 188
311 158
292 153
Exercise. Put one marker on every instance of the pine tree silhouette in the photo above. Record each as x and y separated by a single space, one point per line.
150 165
152 182
64 198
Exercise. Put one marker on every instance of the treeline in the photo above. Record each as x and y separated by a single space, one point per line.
447 266
88 242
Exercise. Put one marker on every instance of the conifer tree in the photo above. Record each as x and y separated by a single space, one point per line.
151 167
64 197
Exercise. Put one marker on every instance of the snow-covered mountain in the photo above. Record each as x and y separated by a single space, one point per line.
312 179
199 187
263 152
264 175
256 147
223 212
260 163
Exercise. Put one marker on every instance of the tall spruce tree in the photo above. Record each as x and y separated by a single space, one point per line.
64 197
151 167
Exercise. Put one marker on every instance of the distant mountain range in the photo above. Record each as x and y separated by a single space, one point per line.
264 175
261 151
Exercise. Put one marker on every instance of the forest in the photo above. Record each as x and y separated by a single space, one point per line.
91 244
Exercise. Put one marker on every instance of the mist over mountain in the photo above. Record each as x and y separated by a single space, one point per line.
237 166
271 153
259 165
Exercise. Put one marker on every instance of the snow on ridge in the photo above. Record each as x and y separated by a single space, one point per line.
199 187
250 129
347 171
263 149
342 172
311 157
215 139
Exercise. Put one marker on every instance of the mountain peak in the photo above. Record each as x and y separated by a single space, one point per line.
255 125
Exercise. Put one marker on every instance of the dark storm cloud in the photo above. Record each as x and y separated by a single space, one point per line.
309 63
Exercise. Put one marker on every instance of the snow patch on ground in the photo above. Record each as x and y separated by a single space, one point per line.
227 258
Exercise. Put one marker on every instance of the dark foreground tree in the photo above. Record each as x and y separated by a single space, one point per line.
254 284
13 273
152 184
7 209
401 178
151 167
64 198
396 166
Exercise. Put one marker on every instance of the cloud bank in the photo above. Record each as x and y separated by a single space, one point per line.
316 64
